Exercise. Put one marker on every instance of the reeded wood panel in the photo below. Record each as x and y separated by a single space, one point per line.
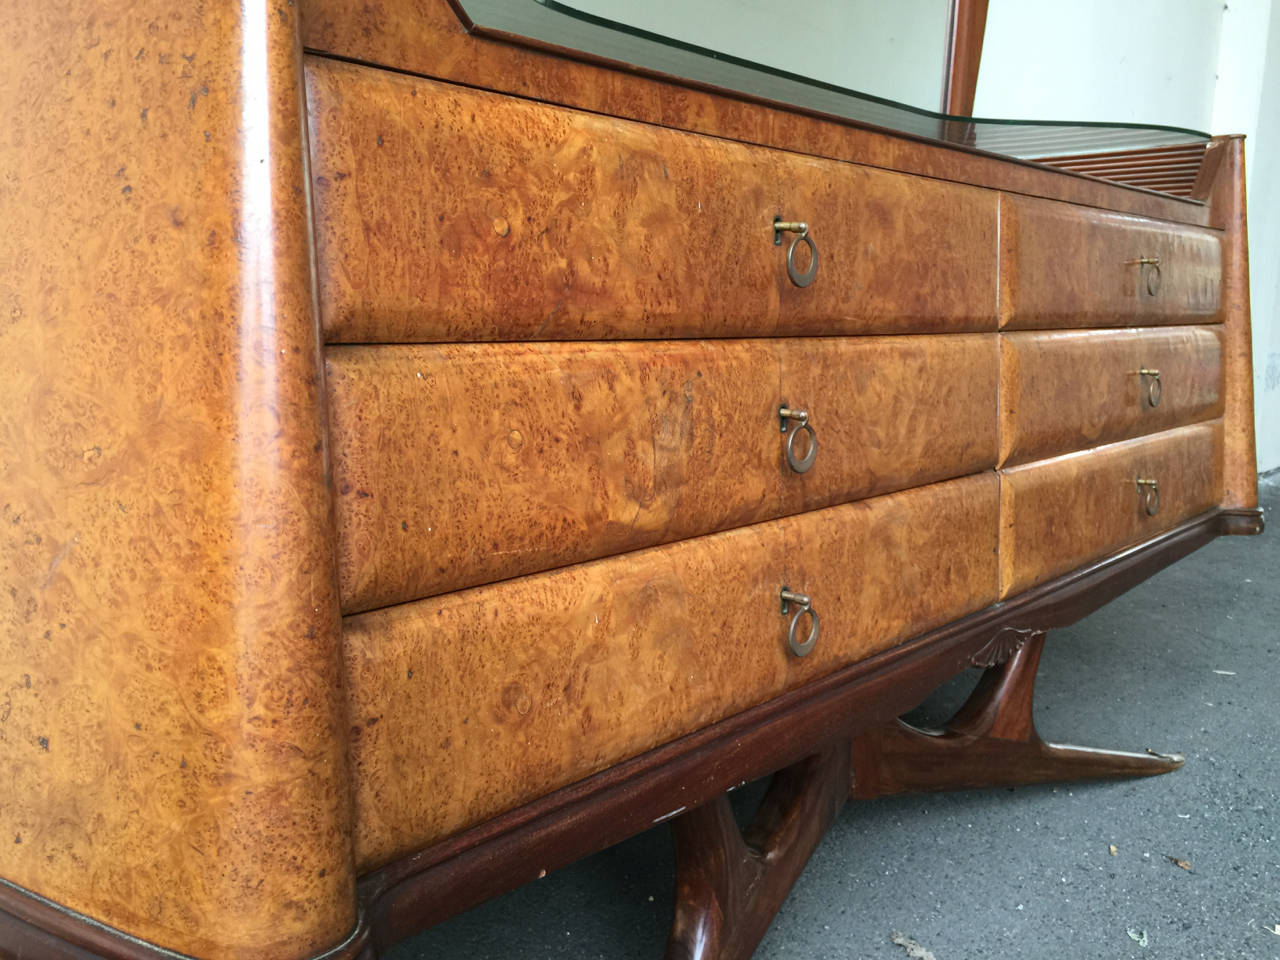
1063 391
444 213
463 464
1068 266
1172 169
1056 515
468 704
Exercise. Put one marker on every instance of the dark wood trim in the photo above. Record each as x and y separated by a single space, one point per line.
1243 522
34 928
968 29
426 888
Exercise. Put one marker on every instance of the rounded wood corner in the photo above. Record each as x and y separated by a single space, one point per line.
34 926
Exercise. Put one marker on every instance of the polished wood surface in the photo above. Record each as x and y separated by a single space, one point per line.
1067 390
172 738
457 465
427 38
1223 184
1067 266
466 705
532 222
1059 514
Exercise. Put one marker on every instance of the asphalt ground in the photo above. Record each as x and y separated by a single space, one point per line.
1186 662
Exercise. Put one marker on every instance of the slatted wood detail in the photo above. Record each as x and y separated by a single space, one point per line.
1170 170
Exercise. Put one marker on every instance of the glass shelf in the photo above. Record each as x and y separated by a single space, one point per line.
557 24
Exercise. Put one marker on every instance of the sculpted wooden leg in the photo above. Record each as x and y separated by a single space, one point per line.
990 742
730 883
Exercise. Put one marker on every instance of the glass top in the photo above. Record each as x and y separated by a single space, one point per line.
572 26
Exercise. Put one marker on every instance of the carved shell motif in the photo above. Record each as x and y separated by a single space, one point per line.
1006 642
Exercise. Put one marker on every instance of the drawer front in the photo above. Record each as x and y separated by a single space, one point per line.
1069 266
1068 390
1060 514
466 705
447 214
463 464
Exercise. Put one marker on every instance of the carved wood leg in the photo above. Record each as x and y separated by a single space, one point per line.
730 883
990 742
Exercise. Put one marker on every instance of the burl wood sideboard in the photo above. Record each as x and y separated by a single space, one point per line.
430 457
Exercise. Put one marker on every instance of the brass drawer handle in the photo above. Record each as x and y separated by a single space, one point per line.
1149 494
1155 390
786 416
803 605
1150 267
801 230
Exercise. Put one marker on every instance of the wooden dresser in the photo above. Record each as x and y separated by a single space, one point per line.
429 459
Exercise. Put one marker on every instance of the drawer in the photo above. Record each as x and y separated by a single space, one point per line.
463 464
469 704
1069 266
449 214
1067 390
1059 514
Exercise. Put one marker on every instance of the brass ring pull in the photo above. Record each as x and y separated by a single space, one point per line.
1150 267
1149 491
803 605
1153 277
1155 389
787 416
801 230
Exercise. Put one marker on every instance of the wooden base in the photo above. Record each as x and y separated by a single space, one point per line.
990 742
729 884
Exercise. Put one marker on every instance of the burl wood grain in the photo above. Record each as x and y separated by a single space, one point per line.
1066 390
471 703
462 464
1222 183
172 739
1067 266
1059 514
426 37
530 222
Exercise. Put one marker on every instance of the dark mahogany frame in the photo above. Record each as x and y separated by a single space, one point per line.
964 55
494 857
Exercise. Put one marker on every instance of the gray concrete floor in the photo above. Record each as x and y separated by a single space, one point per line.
1185 662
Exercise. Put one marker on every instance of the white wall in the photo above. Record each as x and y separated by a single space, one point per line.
1202 64
891 49
1138 61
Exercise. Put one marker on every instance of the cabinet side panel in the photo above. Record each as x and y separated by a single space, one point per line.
1227 198
170 698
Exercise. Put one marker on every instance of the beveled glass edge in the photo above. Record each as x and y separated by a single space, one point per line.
558 24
